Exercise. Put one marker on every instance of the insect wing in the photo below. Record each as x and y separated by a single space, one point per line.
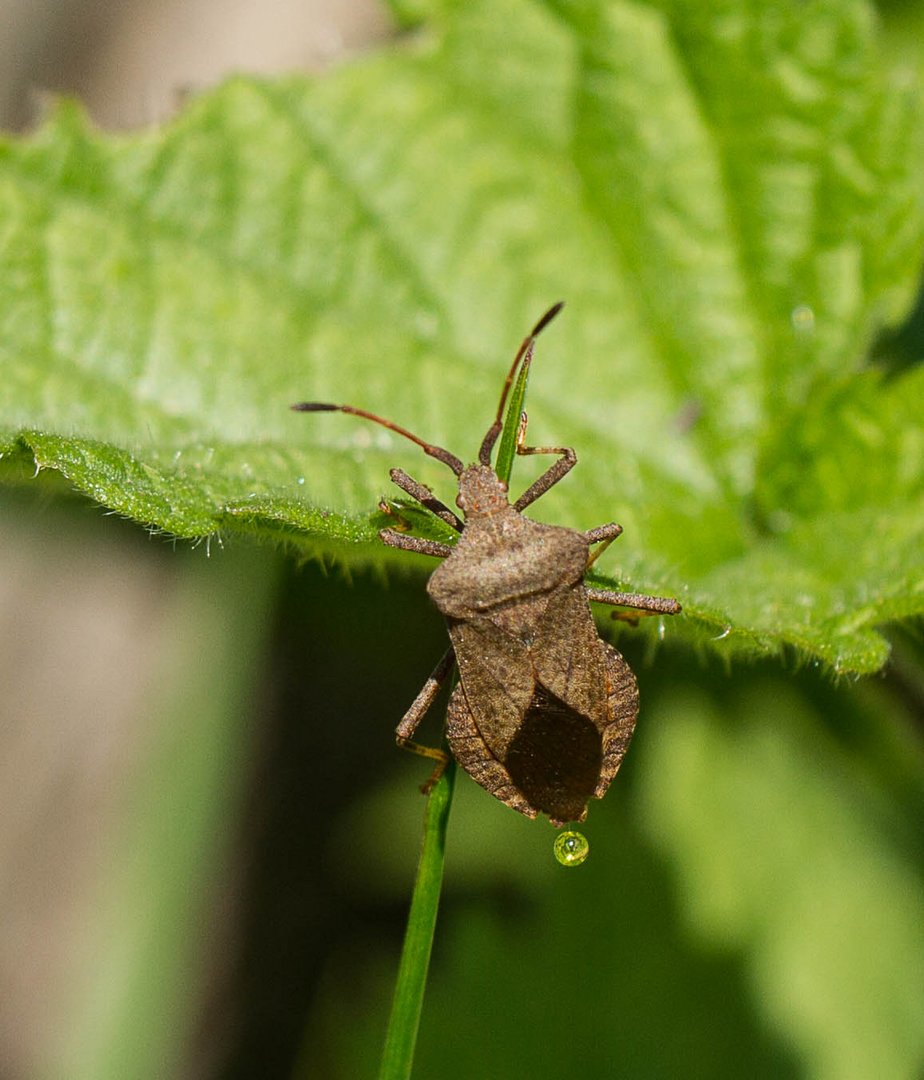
568 655
527 726
590 677
497 679
470 750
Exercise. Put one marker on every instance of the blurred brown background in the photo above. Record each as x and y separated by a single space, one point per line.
90 609
131 63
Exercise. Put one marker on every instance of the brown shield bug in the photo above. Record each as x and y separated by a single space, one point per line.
544 709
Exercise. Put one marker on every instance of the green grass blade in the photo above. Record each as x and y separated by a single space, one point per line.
398 1055
507 449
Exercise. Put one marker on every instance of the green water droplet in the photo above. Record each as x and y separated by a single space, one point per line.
571 848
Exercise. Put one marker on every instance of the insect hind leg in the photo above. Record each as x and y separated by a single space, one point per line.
419 708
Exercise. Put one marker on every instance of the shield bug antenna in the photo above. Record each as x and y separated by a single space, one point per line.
524 353
544 709
428 448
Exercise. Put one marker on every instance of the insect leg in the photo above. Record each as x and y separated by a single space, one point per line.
603 535
607 532
417 544
551 476
426 697
417 711
401 523
425 497
648 605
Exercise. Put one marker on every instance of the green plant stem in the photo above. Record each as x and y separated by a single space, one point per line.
398 1055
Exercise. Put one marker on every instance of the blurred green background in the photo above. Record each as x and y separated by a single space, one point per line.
207 839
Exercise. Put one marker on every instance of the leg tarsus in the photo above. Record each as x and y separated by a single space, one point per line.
633 618
566 462
401 523
439 756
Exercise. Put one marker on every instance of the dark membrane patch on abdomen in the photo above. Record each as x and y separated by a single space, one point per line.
555 757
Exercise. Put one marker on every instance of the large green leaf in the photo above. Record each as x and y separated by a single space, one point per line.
727 195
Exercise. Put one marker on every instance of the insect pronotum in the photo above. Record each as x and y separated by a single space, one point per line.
544 708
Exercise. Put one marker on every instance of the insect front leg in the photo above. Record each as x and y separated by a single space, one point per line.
416 544
419 708
551 476
425 497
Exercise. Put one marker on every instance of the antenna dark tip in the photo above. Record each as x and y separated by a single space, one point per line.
314 406
547 318
524 353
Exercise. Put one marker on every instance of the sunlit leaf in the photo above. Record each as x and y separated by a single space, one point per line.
728 197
